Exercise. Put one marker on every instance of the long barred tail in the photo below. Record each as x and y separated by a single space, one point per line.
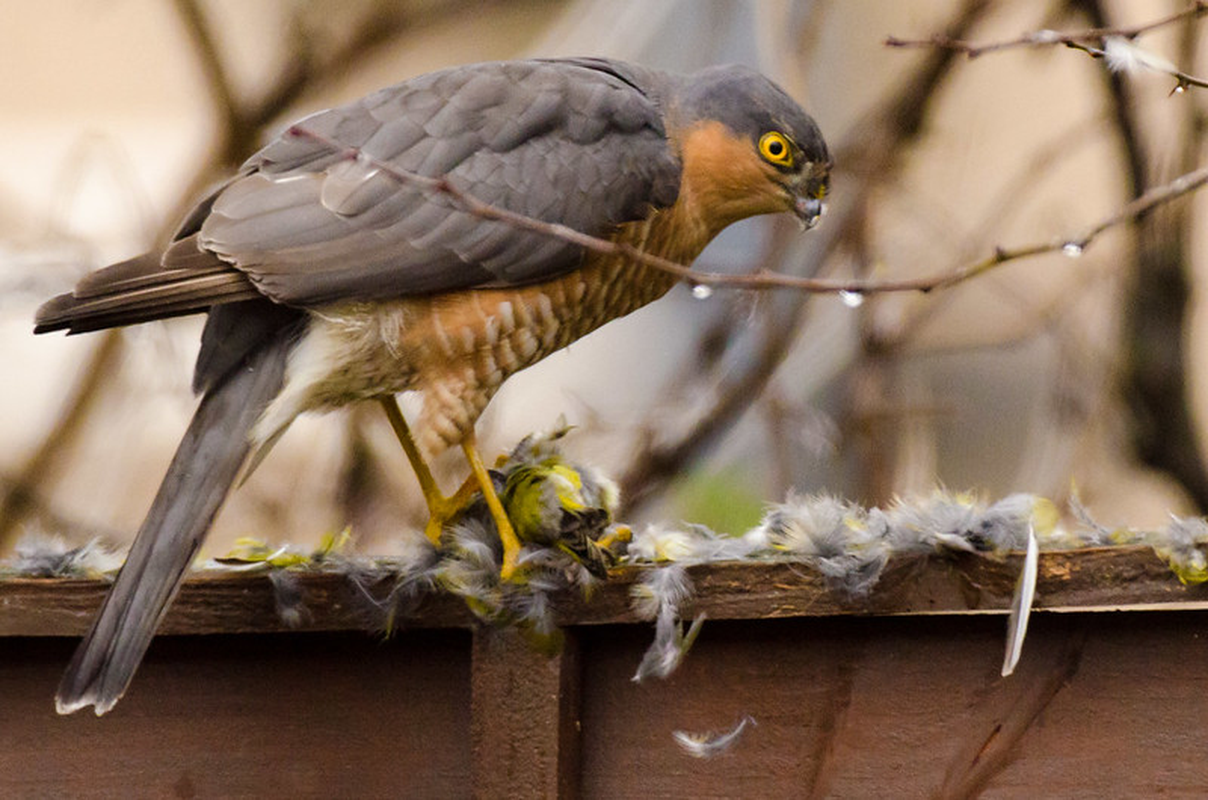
202 471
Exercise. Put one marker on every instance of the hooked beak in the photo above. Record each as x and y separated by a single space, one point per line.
808 210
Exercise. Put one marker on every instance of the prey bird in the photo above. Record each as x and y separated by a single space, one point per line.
329 279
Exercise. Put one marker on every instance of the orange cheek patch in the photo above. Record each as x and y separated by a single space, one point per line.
724 177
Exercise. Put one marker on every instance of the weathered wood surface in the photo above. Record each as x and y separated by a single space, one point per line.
242 602
848 700
321 715
1102 705
525 717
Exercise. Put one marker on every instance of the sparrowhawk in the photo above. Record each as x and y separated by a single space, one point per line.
328 278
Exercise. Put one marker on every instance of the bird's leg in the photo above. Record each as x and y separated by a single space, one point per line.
440 508
507 535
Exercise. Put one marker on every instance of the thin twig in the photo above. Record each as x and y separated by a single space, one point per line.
1184 79
243 119
1152 372
765 279
1047 38
1083 40
885 131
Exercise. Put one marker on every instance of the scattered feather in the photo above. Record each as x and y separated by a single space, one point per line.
708 745
42 556
1180 545
564 513
250 553
1089 532
690 544
1125 55
1011 523
964 523
835 537
660 589
1021 605
669 648
941 521
288 598
658 596
660 543
412 576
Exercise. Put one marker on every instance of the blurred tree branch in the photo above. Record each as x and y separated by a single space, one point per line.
241 126
307 68
1044 38
1164 435
1153 376
885 133
19 500
1115 44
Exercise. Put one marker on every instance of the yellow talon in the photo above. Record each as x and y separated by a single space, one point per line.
507 534
441 509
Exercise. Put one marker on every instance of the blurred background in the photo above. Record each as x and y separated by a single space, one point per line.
1052 374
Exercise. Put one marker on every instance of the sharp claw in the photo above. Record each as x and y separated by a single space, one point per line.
433 529
507 534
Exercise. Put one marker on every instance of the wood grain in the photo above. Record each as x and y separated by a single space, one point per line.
894 695
242 602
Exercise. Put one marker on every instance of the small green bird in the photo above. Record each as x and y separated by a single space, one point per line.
558 504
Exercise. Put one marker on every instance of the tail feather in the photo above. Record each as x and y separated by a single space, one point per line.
184 280
202 471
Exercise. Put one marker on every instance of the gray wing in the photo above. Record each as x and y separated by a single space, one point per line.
571 142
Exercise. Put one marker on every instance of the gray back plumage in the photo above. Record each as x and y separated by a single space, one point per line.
580 143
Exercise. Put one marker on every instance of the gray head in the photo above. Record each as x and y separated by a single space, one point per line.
772 127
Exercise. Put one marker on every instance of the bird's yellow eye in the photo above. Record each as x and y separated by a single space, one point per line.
774 147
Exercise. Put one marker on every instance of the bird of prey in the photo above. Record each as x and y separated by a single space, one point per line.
328 277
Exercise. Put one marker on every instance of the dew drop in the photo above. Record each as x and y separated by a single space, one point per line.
1071 250
852 299
702 292
1180 89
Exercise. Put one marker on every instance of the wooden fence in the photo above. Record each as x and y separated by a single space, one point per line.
897 696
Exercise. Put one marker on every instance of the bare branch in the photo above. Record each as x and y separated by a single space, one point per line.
1152 370
1084 40
883 134
764 279
1047 38
18 498
210 62
1183 79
